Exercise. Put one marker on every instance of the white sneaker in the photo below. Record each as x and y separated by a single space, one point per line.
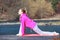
18 34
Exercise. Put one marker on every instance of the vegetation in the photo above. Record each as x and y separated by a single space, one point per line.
40 9
54 3
37 9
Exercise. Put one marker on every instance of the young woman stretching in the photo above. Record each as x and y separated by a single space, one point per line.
27 22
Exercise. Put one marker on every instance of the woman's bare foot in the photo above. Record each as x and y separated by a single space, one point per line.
56 34
52 34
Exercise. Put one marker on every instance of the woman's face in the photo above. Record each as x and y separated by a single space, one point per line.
20 12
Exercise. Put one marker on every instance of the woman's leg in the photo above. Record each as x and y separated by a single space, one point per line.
39 31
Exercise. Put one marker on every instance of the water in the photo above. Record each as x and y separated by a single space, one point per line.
13 29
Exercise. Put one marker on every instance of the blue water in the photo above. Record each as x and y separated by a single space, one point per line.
13 29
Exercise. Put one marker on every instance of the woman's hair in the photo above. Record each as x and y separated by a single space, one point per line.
24 10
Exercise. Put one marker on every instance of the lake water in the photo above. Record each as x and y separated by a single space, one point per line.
13 29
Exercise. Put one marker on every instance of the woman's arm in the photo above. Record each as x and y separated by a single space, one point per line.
22 25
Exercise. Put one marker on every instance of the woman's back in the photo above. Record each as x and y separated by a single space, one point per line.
27 21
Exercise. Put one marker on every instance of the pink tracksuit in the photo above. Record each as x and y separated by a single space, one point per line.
26 22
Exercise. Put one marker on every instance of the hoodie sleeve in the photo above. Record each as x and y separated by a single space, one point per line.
22 25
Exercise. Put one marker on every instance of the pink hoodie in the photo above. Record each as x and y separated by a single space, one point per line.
26 22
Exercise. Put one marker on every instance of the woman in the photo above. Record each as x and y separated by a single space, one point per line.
27 22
